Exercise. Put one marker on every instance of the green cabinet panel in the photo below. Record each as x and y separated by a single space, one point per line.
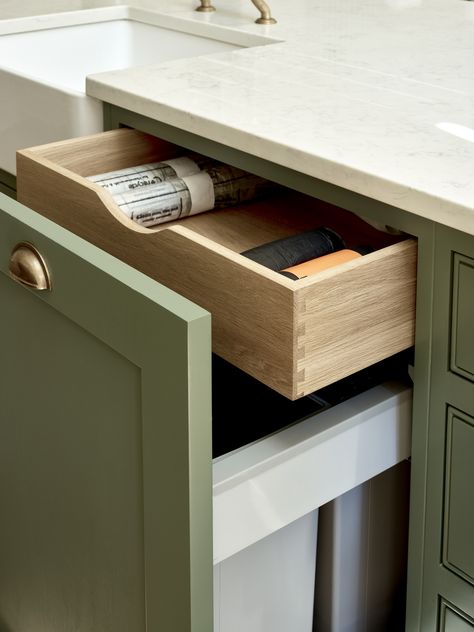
459 500
462 342
105 438
71 484
452 621
449 526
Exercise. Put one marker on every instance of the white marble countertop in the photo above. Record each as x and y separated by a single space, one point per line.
376 96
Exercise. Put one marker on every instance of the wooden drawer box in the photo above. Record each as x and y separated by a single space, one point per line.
295 336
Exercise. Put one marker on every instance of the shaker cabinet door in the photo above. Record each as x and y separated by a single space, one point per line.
449 522
105 441
453 621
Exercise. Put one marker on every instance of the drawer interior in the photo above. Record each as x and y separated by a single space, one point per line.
240 228
295 336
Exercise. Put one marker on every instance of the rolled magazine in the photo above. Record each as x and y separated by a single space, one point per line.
152 194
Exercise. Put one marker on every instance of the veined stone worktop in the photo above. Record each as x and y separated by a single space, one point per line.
375 96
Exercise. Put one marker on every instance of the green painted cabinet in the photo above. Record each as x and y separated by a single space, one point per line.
105 423
458 532
105 435
453 621
448 571
462 319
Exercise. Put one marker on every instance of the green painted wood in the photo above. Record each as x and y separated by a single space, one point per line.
458 533
105 445
454 621
420 425
460 391
462 338
450 478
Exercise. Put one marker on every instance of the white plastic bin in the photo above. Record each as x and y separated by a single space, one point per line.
270 584
265 501
362 556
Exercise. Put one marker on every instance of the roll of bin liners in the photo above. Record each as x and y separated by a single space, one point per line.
291 251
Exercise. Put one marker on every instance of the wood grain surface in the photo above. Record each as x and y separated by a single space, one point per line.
355 315
295 336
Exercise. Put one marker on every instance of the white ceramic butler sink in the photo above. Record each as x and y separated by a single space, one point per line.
44 63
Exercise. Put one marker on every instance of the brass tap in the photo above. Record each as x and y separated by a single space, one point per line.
206 7
265 15
262 6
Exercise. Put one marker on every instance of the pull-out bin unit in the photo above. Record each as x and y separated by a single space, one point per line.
266 497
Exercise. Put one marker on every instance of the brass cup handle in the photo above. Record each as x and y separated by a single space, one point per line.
28 267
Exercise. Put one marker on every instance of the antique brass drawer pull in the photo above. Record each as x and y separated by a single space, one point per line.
28 267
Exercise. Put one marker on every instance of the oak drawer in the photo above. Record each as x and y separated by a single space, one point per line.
295 336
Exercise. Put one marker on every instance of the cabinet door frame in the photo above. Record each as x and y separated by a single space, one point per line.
450 392
106 297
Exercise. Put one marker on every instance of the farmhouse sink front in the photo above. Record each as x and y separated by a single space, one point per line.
44 63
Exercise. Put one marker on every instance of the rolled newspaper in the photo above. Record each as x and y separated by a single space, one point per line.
142 176
176 198
169 200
